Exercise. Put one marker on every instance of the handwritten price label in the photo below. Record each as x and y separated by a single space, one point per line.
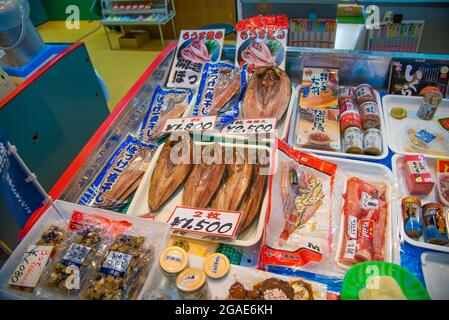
30 268
247 126
189 124
205 222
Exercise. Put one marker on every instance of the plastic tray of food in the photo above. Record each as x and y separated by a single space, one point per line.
402 192
140 205
435 268
413 135
292 136
158 232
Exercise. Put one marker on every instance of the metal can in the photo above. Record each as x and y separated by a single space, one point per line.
429 105
346 93
411 214
348 105
350 119
434 224
369 112
364 93
353 140
372 142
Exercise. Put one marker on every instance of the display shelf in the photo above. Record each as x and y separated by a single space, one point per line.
132 11
137 22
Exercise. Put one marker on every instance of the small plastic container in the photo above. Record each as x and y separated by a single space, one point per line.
192 284
353 140
364 93
216 266
372 142
346 93
350 119
369 111
173 261
348 105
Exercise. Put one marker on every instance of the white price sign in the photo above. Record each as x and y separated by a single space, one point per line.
30 268
189 124
246 126
214 223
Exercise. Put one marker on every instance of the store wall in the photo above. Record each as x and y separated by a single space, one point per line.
56 9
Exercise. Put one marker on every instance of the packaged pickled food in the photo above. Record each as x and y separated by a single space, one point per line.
350 119
411 214
345 93
434 225
372 142
429 105
348 105
364 93
369 112
173 260
216 266
353 140
192 284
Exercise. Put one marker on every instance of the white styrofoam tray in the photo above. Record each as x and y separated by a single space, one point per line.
435 267
139 206
157 231
402 191
396 128
292 136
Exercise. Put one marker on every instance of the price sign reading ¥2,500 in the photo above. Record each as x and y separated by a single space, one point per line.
212 223
247 126
189 124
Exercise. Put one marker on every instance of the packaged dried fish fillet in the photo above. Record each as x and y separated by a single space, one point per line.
121 272
120 176
165 104
299 230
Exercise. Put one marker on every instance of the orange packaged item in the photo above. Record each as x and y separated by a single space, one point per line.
350 119
417 176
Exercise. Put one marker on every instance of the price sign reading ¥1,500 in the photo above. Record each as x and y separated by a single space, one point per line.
189 124
212 223
247 126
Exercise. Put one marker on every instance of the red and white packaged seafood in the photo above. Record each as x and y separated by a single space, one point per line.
365 225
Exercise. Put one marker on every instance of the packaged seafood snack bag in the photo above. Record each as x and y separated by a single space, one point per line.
195 48
365 231
220 91
120 176
165 104
298 232
86 236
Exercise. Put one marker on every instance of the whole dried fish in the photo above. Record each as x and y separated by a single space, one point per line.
202 183
175 111
168 176
236 184
252 201
268 93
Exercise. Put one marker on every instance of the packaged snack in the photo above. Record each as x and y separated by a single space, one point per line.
429 140
365 93
417 176
319 88
262 41
350 119
165 104
299 226
318 129
120 176
220 90
434 225
372 142
364 226
121 272
353 140
411 214
369 111
195 48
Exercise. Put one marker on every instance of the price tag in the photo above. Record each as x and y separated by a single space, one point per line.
352 227
247 126
215 223
189 124
30 268
350 249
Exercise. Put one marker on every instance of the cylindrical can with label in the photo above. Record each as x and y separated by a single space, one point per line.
365 92
192 284
346 93
369 112
353 140
429 105
348 105
372 142
411 214
434 224
350 119
172 261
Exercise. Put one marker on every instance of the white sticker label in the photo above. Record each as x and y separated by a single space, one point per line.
352 227
30 268
417 167
350 249
189 124
247 126
368 202
205 222
76 254
116 263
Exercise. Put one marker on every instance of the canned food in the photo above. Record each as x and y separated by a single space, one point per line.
434 224
429 105
346 93
353 140
364 93
372 142
370 115
348 105
411 214
350 119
